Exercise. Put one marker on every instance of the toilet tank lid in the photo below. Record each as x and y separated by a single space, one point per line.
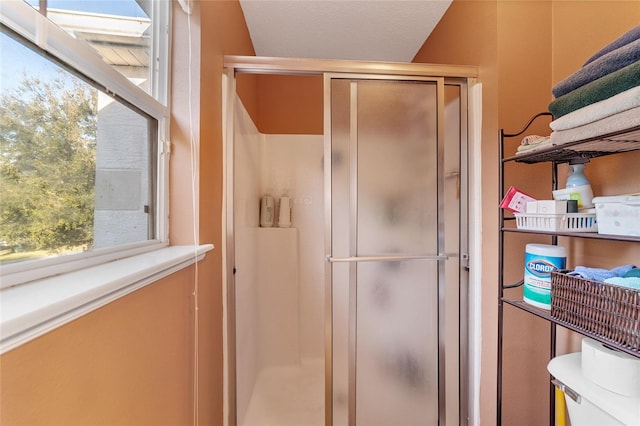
568 370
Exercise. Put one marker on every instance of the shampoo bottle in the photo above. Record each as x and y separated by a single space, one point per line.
267 211
284 218
578 181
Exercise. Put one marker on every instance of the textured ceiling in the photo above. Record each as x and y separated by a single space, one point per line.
372 30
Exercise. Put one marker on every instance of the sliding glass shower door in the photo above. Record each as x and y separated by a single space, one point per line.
386 259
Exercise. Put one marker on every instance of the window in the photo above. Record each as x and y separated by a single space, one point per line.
127 34
82 121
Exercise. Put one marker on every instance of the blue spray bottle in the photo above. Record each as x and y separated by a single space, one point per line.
577 179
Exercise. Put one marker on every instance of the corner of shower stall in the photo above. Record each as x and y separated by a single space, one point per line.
356 313
279 278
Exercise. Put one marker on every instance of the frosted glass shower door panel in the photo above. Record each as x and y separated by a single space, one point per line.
385 244
397 214
397 200
341 273
397 344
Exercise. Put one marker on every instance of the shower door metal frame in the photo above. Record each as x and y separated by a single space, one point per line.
229 246
460 75
440 258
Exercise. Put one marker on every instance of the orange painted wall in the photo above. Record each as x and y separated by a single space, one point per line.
222 31
127 363
600 23
523 48
289 104
467 34
132 361
524 63
247 89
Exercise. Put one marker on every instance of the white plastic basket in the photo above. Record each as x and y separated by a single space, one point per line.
568 222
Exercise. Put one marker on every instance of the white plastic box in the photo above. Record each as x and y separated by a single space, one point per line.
618 215
547 207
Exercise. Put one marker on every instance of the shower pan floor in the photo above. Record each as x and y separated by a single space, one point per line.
288 396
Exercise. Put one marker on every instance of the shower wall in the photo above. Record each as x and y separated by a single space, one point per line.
279 283
246 203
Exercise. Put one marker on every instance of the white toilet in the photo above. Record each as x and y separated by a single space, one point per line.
602 386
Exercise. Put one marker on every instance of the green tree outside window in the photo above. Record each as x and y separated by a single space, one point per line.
47 164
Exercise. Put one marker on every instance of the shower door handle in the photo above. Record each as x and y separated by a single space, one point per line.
385 258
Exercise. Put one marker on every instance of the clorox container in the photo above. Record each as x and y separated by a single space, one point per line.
539 261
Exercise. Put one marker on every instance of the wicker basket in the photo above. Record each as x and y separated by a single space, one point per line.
605 310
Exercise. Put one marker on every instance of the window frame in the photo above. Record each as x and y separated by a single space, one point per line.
28 23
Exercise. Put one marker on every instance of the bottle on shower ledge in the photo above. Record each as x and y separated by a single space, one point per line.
267 211
284 217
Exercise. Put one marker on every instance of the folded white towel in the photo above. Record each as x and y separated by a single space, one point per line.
618 103
621 121
533 144
532 139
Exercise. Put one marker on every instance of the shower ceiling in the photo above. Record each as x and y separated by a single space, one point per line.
371 30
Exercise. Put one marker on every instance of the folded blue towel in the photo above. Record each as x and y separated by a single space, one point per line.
606 64
597 90
632 35
635 272
598 274
632 282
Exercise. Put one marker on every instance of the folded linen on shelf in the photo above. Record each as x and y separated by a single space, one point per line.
621 121
632 282
606 64
633 273
632 35
532 139
599 110
600 274
598 90
532 143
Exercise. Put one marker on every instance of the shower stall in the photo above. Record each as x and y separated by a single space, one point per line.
278 278
354 311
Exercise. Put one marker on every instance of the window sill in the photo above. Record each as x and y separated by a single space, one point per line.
30 310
